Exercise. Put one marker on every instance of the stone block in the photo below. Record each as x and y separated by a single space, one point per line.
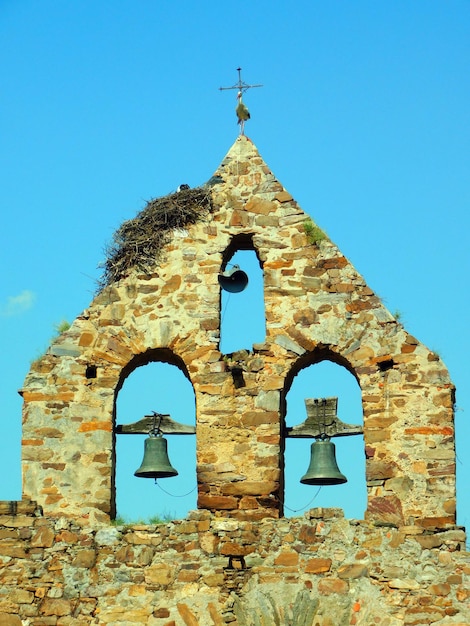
7 533
385 510
305 317
159 574
231 548
268 400
329 586
288 344
376 435
256 418
43 538
241 218
380 469
56 607
250 488
208 542
436 522
9 619
213 579
440 589
352 570
107 536
88 427
187 615
84 558
408 584
325 513
260 206
187 576
283 196
248 502
318 566
86 339
400 485
124 555
287 558
171 285
216 502
266 220
65 349
20 596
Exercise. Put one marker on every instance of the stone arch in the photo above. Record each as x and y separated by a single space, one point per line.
181 461
240 241
340 384
163 355
320 353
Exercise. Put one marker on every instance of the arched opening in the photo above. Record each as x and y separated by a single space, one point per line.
325 379
242 314
164 388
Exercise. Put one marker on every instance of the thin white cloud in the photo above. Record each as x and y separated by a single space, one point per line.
15 305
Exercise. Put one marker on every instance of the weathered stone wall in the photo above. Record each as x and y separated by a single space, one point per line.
317 307
319 570
236 560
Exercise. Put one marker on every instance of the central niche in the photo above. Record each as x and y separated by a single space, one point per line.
163 388
242 314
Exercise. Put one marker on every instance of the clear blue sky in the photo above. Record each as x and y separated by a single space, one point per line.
364 118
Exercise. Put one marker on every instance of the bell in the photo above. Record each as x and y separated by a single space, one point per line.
233 280
155 463
323 469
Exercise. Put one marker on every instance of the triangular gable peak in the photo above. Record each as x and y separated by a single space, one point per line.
317 307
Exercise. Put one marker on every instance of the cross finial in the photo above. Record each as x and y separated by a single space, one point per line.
242 112
240 85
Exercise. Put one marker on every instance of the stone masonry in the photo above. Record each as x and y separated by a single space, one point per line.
236 559
317 570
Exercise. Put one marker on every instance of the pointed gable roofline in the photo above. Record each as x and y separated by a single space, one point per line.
317 306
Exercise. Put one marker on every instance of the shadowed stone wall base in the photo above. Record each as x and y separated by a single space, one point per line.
315 570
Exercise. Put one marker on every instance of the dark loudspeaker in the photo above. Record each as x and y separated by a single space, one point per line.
233 280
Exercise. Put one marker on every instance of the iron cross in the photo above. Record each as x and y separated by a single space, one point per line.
241 86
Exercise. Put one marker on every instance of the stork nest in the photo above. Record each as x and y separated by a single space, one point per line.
138 243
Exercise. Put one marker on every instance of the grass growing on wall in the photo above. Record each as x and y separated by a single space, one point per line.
314 233
154 520
59 328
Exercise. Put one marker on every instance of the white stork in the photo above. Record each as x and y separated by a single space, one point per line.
242 113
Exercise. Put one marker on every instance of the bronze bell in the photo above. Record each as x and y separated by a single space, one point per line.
233 280
155 463
323 469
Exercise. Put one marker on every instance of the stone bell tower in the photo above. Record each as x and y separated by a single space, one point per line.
167 308
234 560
